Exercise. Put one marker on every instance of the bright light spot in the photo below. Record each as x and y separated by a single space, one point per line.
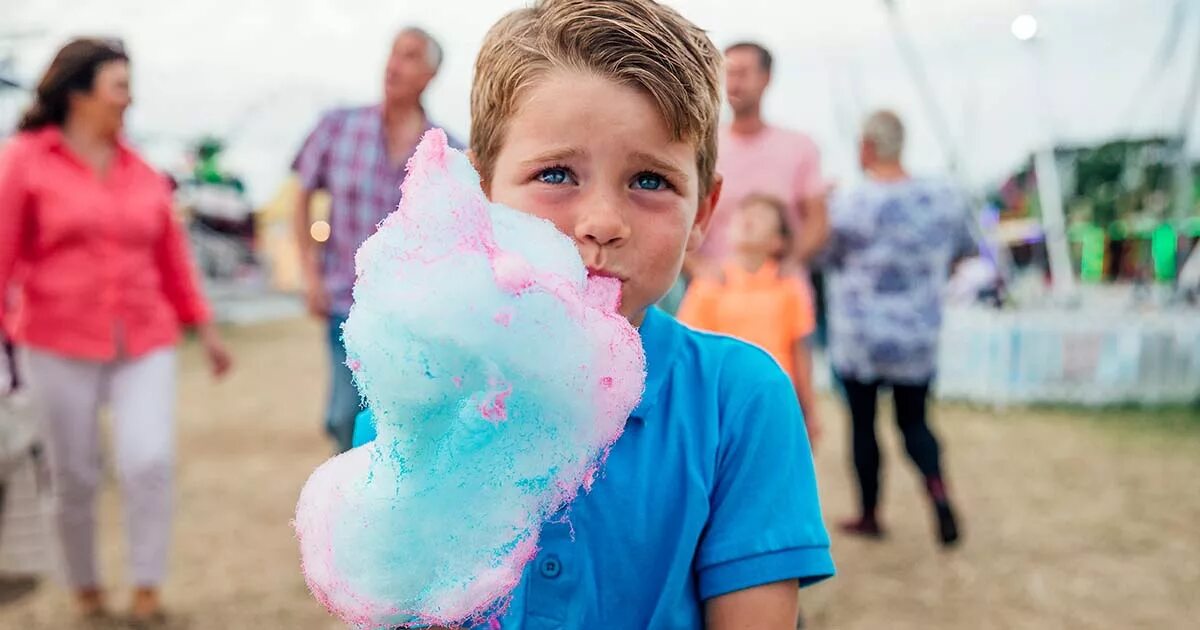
319 231
1025 27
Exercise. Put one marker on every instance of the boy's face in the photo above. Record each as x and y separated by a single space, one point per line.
595 158
757 228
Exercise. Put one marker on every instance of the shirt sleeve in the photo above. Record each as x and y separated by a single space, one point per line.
15 213
179 280
698 308
311 164
765 521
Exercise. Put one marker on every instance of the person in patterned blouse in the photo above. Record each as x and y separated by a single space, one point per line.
893 241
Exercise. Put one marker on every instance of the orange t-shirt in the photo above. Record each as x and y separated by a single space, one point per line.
765 308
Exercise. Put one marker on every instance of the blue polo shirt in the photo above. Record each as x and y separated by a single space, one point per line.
709 490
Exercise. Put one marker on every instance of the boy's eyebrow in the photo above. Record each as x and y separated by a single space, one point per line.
554 155
657 163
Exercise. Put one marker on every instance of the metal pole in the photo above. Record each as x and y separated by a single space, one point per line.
1184 186
1189 273
1062 276
916 68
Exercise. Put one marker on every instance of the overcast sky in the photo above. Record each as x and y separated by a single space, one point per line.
262 70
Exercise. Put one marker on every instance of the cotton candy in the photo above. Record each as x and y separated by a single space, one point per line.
499 373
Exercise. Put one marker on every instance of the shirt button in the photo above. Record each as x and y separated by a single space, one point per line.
551 567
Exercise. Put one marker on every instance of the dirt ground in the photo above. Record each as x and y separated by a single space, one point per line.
1072 519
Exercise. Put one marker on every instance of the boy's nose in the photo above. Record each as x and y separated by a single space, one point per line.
602 221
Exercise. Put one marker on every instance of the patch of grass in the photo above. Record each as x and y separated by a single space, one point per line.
1131 423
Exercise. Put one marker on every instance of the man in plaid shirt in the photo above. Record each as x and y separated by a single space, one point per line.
358 155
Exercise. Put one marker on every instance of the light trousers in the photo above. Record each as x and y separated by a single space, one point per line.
140 393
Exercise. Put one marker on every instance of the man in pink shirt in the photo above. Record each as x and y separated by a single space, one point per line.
757 158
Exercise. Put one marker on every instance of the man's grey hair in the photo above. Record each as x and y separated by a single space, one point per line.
434 52
884 130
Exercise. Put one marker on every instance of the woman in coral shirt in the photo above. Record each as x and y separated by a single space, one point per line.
100 267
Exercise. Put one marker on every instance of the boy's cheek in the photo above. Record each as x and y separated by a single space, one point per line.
553 206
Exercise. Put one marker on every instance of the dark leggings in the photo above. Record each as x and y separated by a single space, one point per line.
922 446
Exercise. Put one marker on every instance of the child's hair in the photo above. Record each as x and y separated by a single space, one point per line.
785 228
639 43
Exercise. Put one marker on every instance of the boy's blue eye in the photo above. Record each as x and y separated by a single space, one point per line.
650 181
554 176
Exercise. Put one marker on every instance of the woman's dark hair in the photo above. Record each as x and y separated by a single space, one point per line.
73 70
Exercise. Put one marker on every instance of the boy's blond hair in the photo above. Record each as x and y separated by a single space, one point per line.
638 43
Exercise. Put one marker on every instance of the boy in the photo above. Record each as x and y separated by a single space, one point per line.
753 301
601 117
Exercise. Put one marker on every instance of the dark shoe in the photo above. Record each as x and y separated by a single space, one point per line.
863 528
947 525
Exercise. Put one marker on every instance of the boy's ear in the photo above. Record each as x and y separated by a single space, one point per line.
704 214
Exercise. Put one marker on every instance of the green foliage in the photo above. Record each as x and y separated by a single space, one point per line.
1123 186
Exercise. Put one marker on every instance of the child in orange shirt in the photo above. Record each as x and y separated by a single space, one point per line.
753 301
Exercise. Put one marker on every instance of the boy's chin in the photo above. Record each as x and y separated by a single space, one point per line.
634 311
635 318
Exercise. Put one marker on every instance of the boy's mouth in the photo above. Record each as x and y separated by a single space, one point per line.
603 273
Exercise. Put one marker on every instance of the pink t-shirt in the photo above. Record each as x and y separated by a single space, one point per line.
778 162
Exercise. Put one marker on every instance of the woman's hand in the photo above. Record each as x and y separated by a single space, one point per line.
219 359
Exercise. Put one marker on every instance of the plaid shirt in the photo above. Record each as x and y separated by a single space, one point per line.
346 156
